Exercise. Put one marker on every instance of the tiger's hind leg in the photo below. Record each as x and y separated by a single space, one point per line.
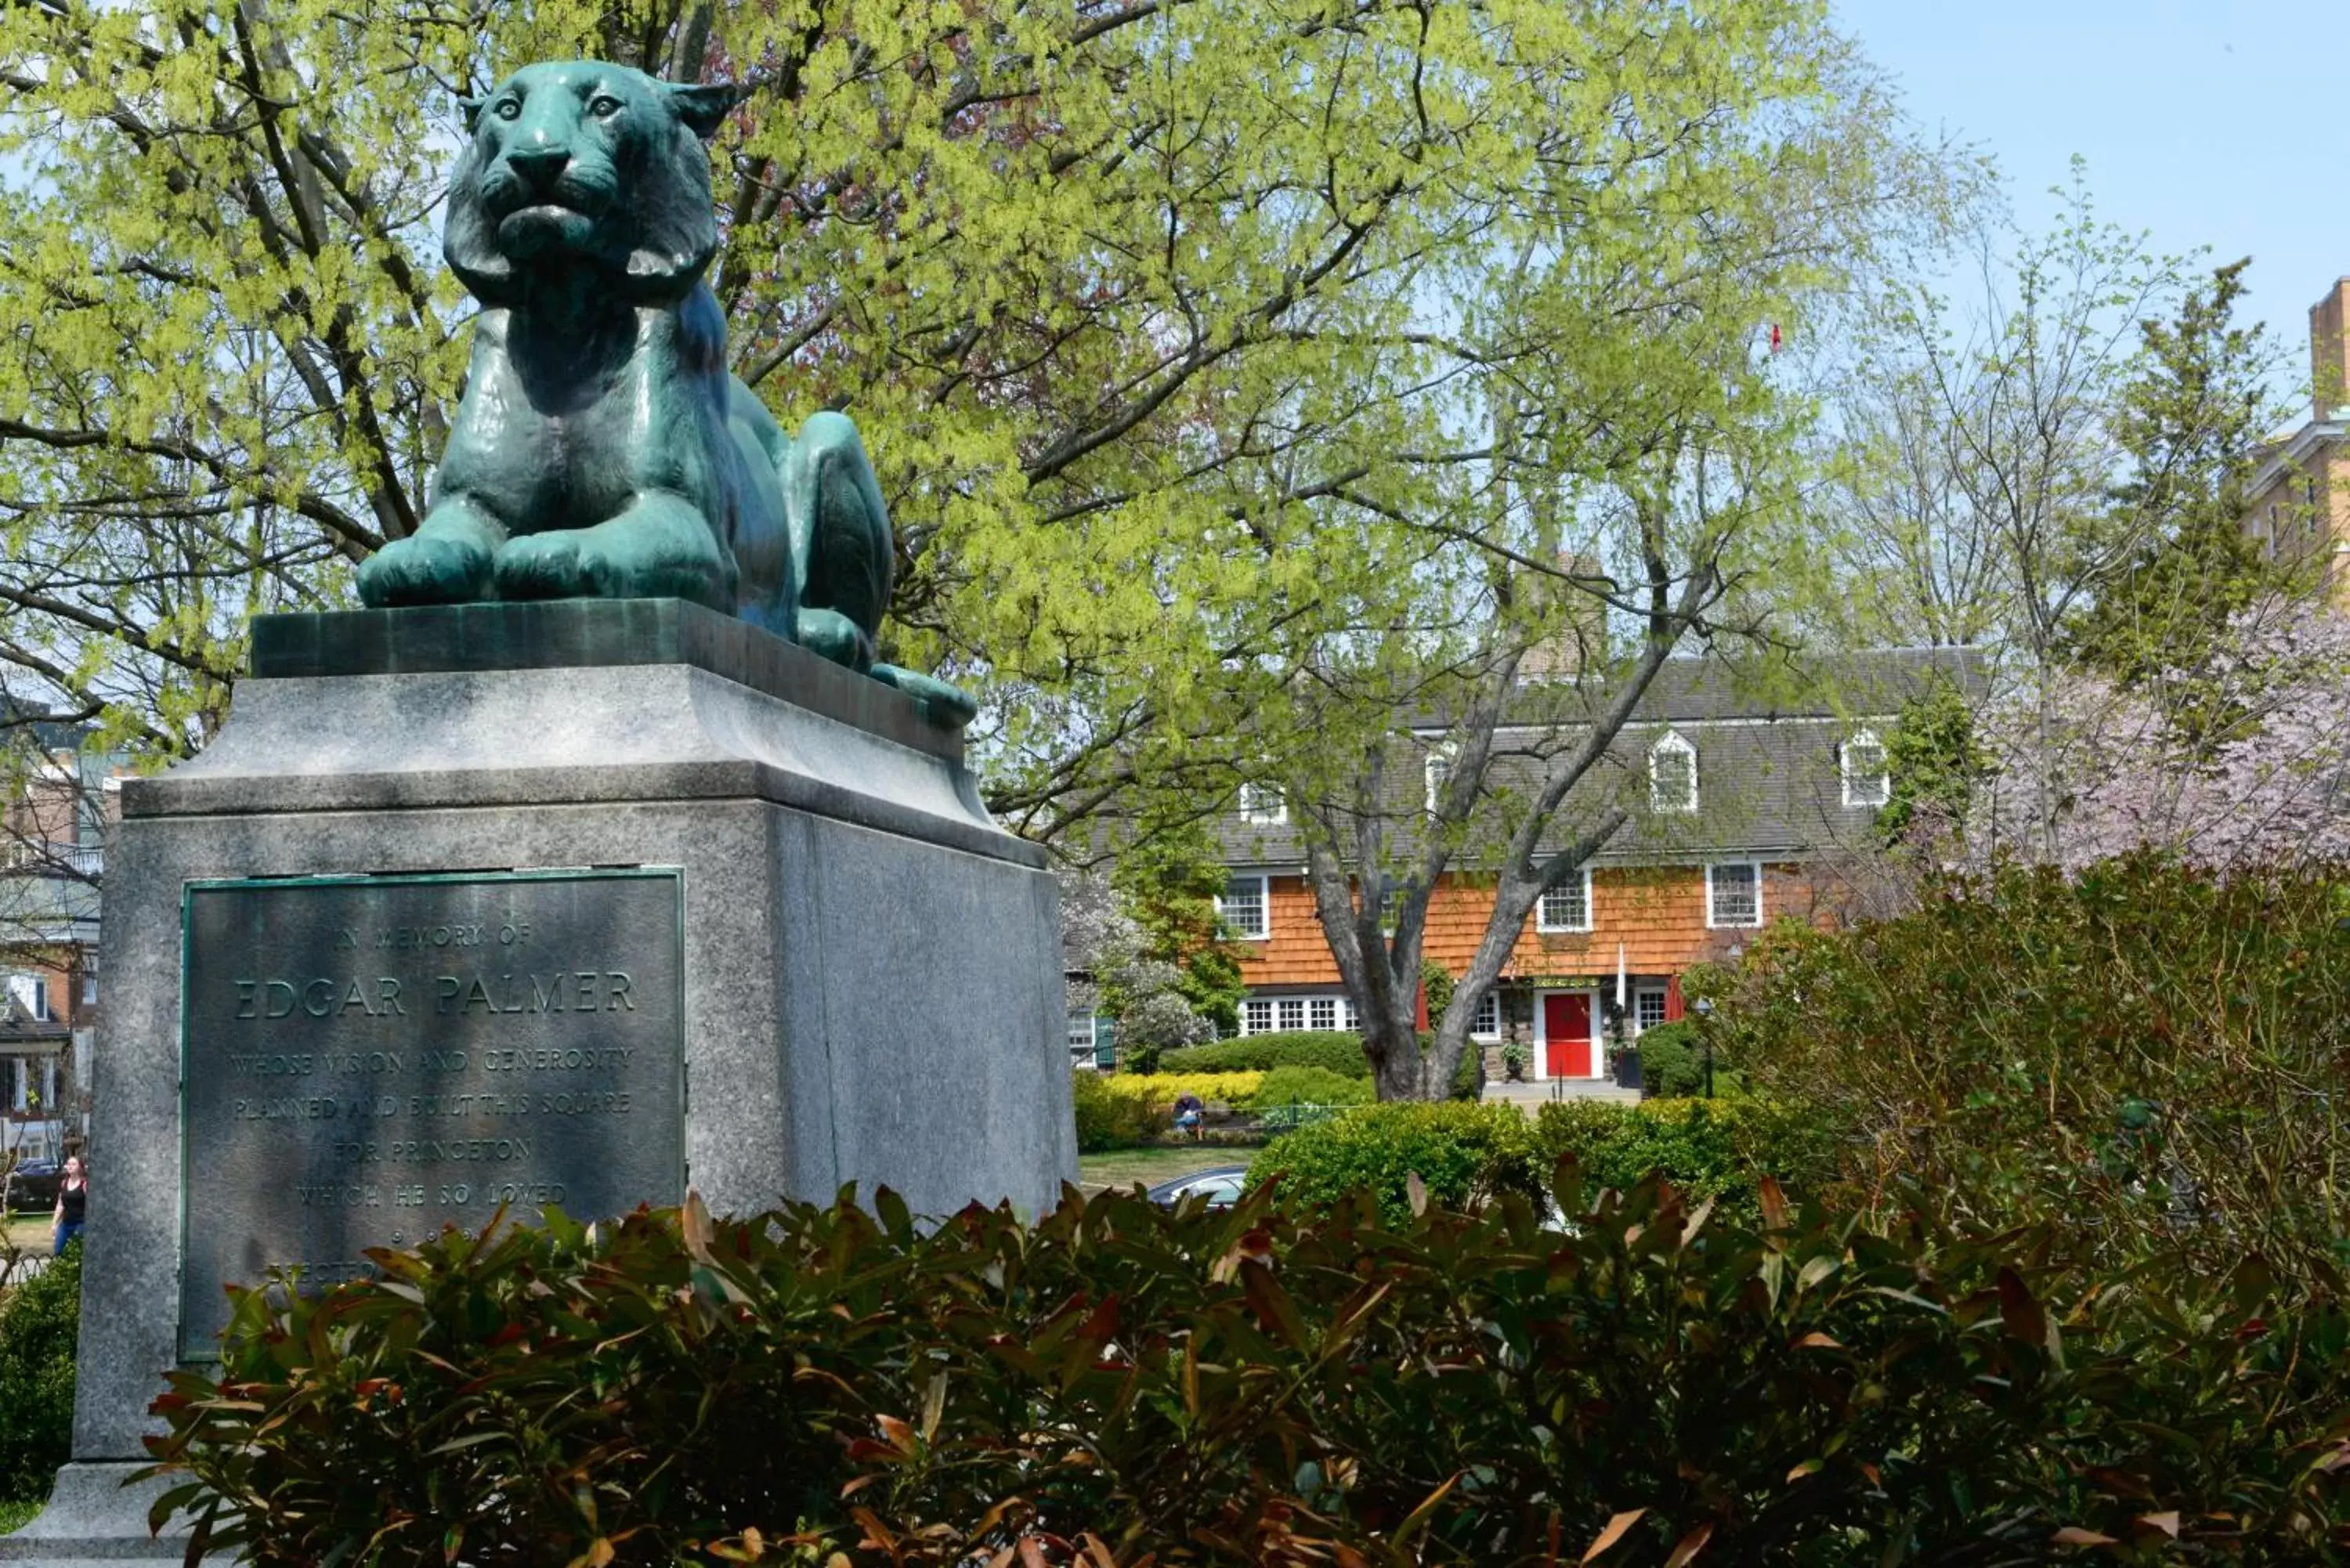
840 535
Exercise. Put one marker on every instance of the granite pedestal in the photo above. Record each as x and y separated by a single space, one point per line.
868 989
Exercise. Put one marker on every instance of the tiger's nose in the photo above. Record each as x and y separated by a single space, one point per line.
539 165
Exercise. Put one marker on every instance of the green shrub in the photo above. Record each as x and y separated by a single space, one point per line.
2133 1053
1330 1051
1711 1148
41 1321
1118 1383
1107 1120
1672 1064
1311 1086
1462 1153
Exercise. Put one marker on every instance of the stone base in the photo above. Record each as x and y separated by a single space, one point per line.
92 1517
872 987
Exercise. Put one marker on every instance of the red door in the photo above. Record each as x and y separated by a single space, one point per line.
1567 1034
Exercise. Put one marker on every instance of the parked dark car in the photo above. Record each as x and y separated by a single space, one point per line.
34 1184
1221 1185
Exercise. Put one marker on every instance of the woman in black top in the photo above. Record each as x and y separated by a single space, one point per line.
73 1196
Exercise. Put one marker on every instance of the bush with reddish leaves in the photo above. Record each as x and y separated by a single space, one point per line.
1118 1383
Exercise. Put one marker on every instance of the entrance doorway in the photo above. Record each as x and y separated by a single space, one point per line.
1564 1021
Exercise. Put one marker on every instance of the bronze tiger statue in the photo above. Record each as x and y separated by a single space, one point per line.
602 449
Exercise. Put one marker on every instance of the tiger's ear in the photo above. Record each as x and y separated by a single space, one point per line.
469 109
704 107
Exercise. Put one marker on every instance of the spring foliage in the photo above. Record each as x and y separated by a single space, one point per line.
1172 329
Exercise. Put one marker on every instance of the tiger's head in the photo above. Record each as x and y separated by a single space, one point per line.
584 163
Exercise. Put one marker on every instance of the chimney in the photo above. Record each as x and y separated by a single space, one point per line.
1580 637
2329 353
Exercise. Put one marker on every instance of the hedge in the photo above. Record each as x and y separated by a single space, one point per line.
2143 1054
40 1323
1334 1052
1464 1154
1310 1086
1719 1149
1119 1384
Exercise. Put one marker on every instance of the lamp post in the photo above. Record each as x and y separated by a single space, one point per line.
1705 1013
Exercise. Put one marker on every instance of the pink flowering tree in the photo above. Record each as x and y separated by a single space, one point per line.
2244 758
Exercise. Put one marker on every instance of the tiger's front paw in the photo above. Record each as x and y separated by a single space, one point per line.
426 569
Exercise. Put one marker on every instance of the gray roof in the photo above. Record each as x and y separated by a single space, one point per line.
1769 784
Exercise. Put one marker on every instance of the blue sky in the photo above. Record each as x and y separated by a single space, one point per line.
2221 122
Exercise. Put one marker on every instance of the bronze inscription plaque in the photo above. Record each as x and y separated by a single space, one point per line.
364 1060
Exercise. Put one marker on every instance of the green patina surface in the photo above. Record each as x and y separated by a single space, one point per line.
602 450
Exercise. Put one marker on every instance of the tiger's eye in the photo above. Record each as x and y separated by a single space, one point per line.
604 108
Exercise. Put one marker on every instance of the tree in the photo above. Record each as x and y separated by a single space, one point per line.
1156 317
1933 764
1168 884
2191 418
1636 496
2088 767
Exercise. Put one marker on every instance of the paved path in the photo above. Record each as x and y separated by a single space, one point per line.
1532 1097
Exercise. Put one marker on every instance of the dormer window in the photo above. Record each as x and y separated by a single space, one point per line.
1264 805
1672 775
1439 769
1867 781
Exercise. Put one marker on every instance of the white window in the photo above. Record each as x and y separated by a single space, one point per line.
1264 805
1672 775
1568 908
1265 1015
1734 894
1348 1019
1081 1035
1486 1023
32 994
1246 908
1648 1007
1866 780
1438 768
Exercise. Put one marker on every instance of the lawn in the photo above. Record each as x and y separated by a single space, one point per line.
1125 1167
29 1232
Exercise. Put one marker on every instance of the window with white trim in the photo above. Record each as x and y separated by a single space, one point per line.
32 994
1567 908
1285 1014
1245 906
1733 893
1081 1034
1648 1007
1672 775
1486 1023
1867 780
1264 805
